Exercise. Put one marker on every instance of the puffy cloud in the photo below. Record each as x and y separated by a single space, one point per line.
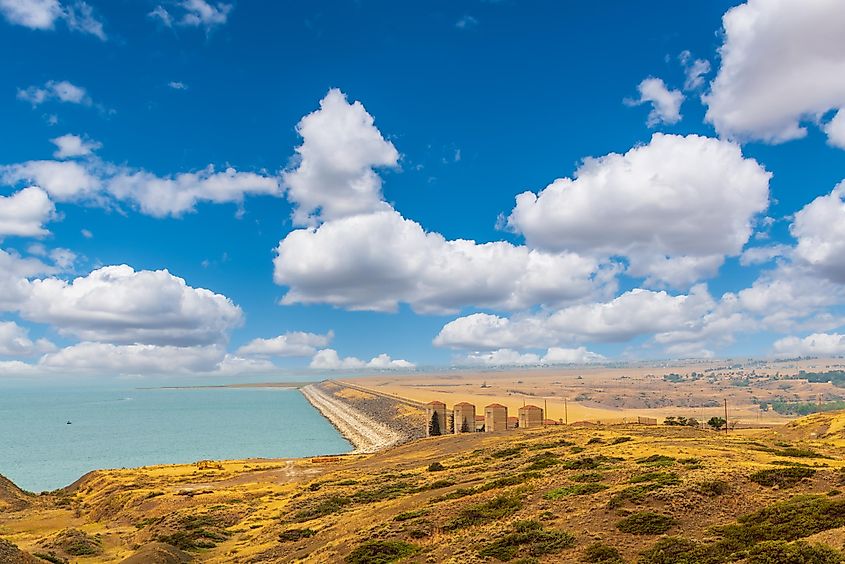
43 14
510 357
63 180
178 194
15 341
290 344
80 17
334 176
772 51
817 344
835 130
634 313
116 304
73 146
105 358
34 14
16 368
14 272
194 13
176 85
159 196
762 255
790 295
694 70
384 362
500 357
819 228
328 359
665 103
674 208
25 212
365 255
375 261
580 355
62 90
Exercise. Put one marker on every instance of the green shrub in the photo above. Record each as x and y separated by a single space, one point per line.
620 440
586 463
50 557
657 460
712 488
800 552
676 550
505 481
782 477
646 523
575 489
438 484
551 444
588 477
506 452
634 494
528 537
660 478
408 515
595 441
381 552
390 490
292 535
490 510
600 553
543 461
436 467
798 517
321 507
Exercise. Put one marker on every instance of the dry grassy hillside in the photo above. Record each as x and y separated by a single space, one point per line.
617 494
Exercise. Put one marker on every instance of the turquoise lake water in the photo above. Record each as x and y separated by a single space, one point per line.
128 427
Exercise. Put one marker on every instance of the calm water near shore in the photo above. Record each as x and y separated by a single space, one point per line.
126 427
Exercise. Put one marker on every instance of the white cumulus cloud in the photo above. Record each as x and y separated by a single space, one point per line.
15 341
99 182
634 313
193 13
674 208
43 15
25 212
819 228
116 304
70 145
295 343
782 65
61 90
329 359
376 261
817 344
665 103
334 176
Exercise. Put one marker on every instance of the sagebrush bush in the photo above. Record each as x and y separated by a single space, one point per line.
646 523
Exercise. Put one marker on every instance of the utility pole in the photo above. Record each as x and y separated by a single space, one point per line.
726 416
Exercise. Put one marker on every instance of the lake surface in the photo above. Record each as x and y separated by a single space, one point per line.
127 427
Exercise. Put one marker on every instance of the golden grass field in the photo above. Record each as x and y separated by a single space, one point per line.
555 494
607 393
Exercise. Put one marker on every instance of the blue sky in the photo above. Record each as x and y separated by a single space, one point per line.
642 256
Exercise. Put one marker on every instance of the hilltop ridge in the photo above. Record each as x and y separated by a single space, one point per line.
558 494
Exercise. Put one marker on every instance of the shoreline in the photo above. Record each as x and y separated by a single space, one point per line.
364 433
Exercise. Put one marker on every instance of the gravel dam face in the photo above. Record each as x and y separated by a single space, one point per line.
369 421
